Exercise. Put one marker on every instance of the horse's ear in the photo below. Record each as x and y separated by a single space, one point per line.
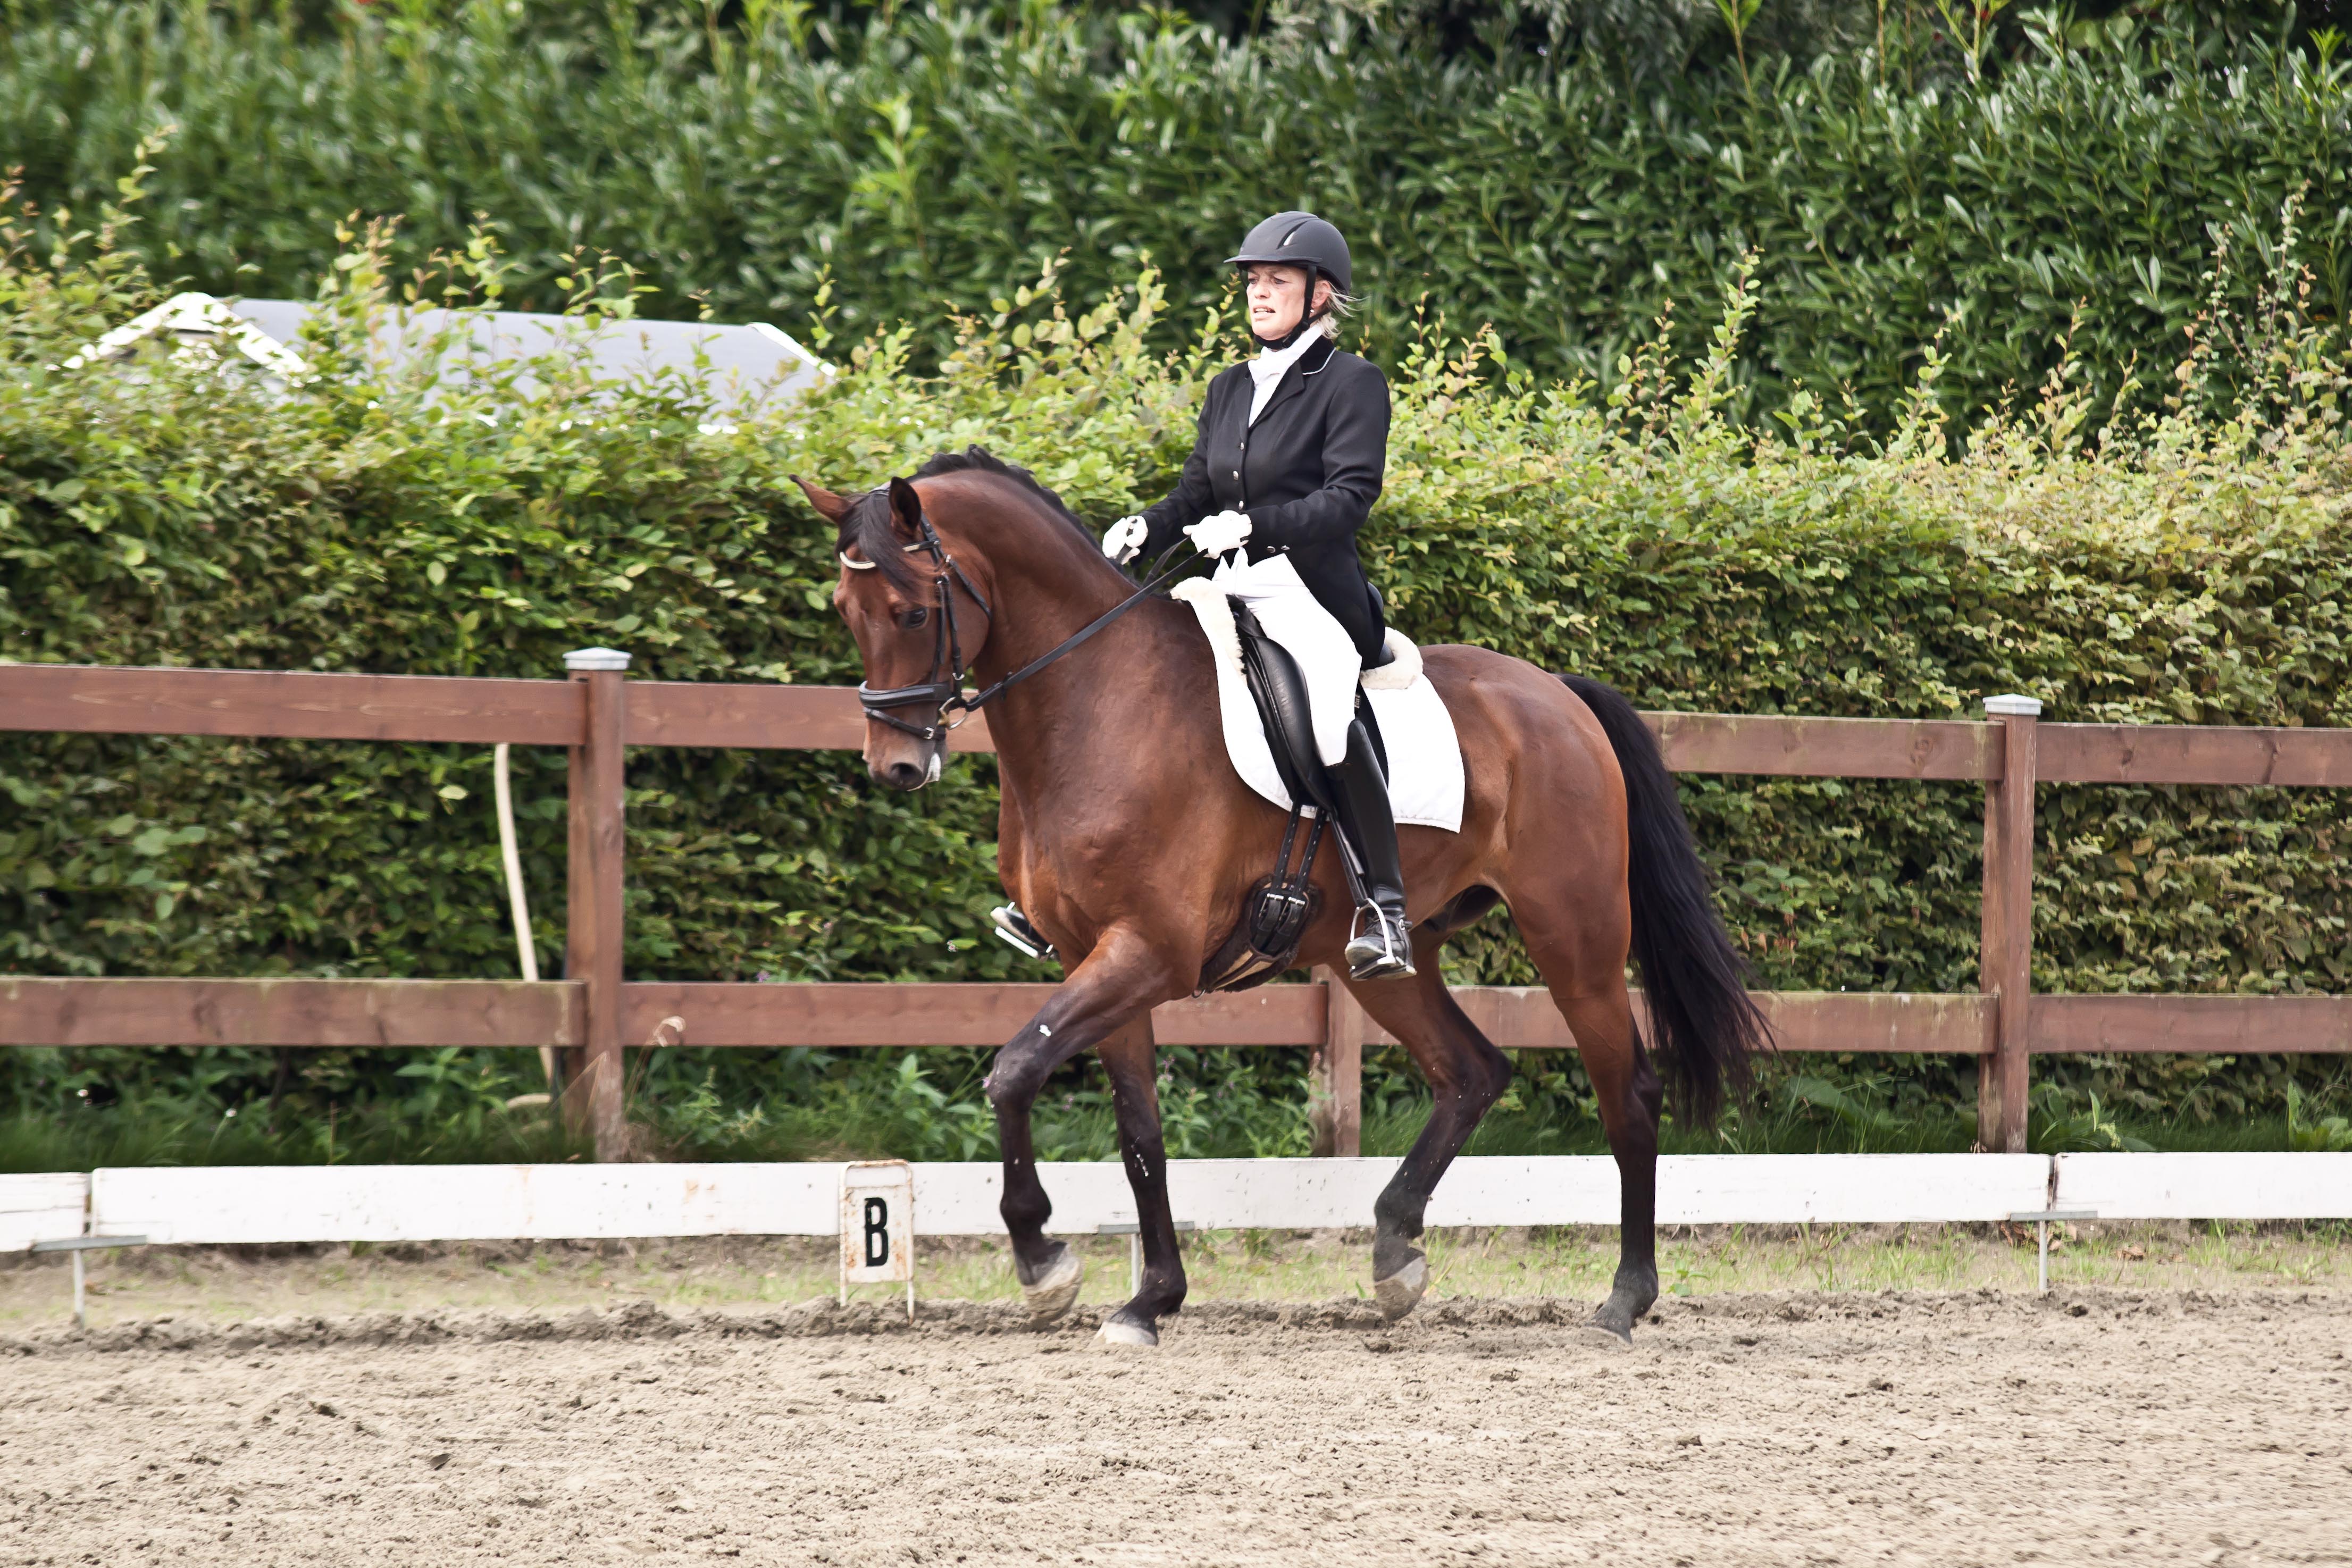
905 509
828 505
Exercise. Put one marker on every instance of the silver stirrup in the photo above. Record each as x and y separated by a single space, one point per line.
1382 953
1012 928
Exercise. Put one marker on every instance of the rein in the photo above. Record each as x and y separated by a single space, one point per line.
944 690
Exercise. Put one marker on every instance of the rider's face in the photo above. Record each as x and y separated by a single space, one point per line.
1277 297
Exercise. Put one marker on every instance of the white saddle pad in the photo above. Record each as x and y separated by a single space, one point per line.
1425 782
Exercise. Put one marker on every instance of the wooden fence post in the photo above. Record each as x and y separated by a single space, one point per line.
1335 1074
2005 966
591 942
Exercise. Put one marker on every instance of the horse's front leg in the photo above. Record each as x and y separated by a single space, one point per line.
1119 979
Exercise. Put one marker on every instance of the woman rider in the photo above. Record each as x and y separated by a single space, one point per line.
1286 467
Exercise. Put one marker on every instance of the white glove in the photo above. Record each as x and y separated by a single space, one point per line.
1126 536
1218 535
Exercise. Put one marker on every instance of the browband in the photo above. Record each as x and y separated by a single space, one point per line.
842 556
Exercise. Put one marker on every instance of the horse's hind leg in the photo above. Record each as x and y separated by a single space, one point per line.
1630 1097
1466 1075
1127 1056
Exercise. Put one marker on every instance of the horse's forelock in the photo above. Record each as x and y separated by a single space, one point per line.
869 533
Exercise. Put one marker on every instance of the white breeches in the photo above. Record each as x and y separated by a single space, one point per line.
1292 616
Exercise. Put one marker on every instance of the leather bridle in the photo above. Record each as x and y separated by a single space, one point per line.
944 690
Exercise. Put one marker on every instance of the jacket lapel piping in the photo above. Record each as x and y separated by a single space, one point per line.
1294 381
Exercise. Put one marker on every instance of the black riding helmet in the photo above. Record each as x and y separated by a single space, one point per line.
1297 239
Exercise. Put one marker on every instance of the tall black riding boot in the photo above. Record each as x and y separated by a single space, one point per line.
1382 948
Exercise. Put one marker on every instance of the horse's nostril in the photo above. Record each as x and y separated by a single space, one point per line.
904 776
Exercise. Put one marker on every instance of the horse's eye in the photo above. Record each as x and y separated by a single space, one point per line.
911 619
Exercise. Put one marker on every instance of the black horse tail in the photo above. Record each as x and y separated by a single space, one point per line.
1705 1023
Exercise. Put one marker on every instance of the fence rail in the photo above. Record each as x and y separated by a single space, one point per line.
589 1016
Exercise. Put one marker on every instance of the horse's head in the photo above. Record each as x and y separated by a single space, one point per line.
918 619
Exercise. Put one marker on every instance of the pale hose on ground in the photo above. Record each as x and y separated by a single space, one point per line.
525 953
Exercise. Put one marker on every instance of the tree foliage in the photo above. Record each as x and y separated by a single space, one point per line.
2073 167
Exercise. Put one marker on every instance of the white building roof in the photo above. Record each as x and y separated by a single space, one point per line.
200 316
742 368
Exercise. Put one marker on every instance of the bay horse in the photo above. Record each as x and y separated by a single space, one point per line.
1131 840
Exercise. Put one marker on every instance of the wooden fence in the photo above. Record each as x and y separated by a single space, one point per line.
593 1011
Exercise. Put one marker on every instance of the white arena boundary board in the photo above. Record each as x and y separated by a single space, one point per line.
2207 1187
225 1205
47 1207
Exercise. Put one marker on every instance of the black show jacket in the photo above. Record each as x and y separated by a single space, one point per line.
1306 474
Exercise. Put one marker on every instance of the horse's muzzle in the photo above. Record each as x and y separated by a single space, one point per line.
907 775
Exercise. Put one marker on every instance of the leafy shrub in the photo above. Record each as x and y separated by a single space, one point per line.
2187 567
920 153
2329 1135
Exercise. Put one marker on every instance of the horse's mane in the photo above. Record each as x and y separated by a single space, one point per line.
868 528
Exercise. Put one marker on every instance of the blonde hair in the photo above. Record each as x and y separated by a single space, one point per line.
1336 310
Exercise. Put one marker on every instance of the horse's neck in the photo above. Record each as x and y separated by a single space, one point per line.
1043 598
1098 702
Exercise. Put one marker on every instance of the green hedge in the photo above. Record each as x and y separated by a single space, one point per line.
172 510
949 154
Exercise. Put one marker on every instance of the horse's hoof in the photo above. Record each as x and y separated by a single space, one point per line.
1616 1317
1602 1334
1127 1333
1055 1291
1401 1291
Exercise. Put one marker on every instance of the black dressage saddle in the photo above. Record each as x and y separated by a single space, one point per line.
1280 693
1278 907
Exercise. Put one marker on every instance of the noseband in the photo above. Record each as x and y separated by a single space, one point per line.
944 691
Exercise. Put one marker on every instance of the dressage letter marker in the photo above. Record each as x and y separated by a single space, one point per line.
877 1227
